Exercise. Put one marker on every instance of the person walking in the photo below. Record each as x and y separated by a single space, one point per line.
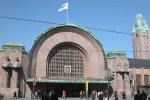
15 95
143 95
93 94
81 94
137 96
54 95
148 97
64 94
46 95
123 94
115 95
100 95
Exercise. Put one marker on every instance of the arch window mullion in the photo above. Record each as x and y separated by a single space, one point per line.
66 55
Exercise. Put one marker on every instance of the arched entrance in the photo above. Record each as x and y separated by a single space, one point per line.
66 61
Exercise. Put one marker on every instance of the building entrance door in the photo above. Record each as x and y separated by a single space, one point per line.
72 89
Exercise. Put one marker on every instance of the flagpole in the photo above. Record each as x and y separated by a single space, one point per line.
67 16
64 7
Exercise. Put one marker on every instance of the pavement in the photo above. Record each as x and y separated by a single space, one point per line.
69 98
75 98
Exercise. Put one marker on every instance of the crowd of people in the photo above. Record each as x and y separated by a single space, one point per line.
122 95
141 96
47 95
100 95
137 96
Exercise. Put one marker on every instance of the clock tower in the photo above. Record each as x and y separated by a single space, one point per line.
141 38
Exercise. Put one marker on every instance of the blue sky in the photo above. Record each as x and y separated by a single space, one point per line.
115 15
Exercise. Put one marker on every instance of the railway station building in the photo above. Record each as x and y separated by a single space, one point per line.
67 57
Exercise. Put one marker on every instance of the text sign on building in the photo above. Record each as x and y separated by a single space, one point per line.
67 69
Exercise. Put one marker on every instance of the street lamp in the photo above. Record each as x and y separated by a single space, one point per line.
108 79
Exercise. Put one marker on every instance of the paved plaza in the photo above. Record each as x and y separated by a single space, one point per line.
73 98
40 99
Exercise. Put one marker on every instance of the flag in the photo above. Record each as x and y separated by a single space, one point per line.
63 7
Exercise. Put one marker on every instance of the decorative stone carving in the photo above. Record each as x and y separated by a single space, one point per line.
7 65
17 63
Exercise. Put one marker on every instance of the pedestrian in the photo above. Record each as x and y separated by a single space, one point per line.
36 94
93 94
137 96
123 95
149 97
96 95
46 95
143 95
81 94
54 95
15 95
39 94
100 95
115 95
64 94
106 95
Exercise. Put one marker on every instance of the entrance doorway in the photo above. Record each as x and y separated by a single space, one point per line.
72 89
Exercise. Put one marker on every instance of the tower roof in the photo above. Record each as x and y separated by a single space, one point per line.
114 54
140 23
139 16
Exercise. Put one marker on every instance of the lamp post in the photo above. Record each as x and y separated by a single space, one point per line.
108 79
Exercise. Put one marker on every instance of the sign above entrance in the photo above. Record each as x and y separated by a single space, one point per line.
67 69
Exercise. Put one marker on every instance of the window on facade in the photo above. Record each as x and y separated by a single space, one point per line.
62 56
138 80
146 79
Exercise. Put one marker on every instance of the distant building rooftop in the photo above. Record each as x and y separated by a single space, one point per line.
138 63
12 46
114 54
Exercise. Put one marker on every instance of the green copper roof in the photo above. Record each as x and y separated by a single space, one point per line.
114 54
67 24
140 23
12 46
13 43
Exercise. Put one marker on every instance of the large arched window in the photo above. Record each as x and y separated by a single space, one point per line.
65 62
